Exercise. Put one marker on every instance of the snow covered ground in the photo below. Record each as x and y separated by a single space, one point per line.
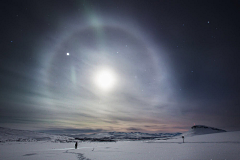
211 146
224 145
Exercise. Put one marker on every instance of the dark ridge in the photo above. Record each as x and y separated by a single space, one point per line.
201 126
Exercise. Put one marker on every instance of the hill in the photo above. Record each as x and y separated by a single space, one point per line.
12 135
201 129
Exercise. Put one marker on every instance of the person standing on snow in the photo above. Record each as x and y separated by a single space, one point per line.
76 144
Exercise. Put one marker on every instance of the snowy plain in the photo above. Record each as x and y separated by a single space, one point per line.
224 145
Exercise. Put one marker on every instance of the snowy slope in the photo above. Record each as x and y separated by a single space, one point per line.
201 129
224 145
11 135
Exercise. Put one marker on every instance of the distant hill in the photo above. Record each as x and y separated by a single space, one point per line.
116 136
201 129
13 135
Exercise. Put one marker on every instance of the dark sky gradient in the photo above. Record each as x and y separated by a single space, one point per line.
176 64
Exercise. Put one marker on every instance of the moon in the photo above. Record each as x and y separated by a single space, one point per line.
105 79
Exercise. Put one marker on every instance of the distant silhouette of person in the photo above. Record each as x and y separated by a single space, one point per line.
76 144
183 138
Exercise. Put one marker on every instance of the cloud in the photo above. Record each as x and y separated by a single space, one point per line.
72 131
134 129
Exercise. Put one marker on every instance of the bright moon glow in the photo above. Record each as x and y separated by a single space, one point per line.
67 54
105 79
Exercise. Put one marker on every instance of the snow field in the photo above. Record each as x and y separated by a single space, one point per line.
218 146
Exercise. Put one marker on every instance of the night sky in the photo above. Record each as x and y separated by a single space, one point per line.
94 66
